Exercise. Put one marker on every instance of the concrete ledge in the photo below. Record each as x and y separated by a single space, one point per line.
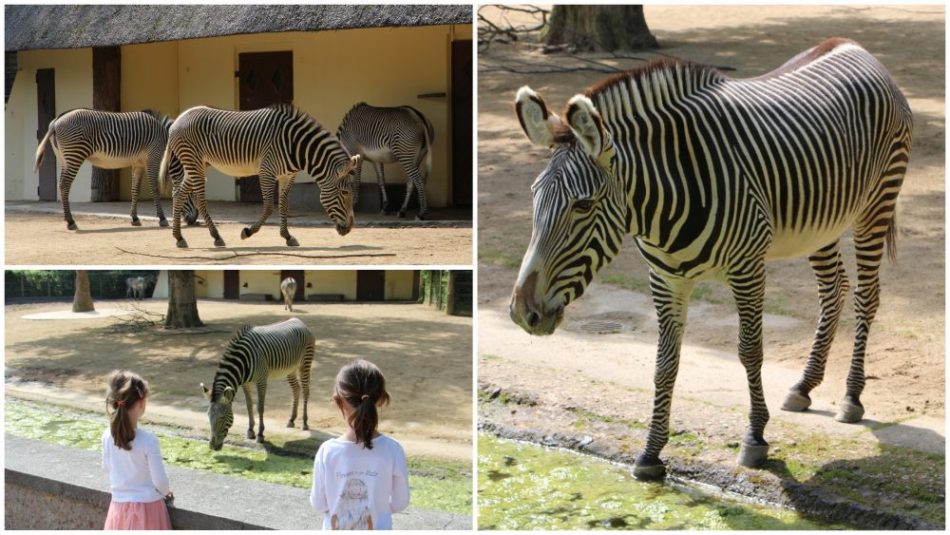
325 298
57 487
257 297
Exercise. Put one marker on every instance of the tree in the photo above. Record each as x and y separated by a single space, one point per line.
602 28
82 300
182 304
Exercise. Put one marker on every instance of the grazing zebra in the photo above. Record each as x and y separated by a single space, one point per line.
135 287
712 176
275 143
110 140
254 355
387 135
288 287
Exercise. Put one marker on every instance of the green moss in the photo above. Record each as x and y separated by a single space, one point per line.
607 419
434 484
498 258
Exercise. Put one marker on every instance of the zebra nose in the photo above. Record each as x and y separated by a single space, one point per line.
532 318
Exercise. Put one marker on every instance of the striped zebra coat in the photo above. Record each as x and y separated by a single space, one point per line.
712 176
252 357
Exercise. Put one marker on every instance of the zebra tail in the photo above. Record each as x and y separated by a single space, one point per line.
163 171
41 150
890 239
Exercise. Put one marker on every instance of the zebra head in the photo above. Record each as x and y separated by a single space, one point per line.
219 414
579 210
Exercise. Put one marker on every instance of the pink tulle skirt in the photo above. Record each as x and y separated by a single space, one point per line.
133 515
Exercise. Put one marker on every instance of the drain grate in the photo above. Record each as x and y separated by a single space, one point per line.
602 327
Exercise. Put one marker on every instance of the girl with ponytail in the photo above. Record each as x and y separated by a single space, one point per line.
360 479
132 458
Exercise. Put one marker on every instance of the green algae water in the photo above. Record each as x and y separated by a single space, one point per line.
434 484
526 486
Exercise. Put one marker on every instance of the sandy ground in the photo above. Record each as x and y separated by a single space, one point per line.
906 350
112 241
424 354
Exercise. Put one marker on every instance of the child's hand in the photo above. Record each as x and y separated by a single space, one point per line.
170 499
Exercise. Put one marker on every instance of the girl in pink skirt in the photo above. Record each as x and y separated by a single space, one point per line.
132 458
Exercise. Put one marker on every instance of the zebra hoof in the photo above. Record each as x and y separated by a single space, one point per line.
292 242
850 412
136 222
71 226
218 242
182 244
796 402
290 423
649 472
250 434
305 427
401 214
420 217
260 437
246 233
752 455
163 222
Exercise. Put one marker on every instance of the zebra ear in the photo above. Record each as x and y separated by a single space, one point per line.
205 391
354 161
537 122
586 124
227 395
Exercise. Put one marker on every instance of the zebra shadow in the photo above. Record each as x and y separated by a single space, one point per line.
285 249
112 230
282 457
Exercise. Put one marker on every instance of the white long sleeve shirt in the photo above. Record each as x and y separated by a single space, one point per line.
357 488
136 475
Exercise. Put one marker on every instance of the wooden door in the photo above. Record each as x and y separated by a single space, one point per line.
265 78
232 284
462 123
297 274
46 112
370 285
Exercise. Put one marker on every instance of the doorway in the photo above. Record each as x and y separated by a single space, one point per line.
46 112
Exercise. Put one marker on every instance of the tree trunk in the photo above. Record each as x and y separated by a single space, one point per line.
182 304
450 294
82 300
601 28
106 79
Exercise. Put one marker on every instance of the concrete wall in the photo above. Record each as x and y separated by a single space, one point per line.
399 285
73 81
331 282
259 282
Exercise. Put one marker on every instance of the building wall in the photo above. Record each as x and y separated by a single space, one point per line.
259 282
331 282
399 285
73 80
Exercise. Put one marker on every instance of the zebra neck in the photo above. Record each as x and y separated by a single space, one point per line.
230 374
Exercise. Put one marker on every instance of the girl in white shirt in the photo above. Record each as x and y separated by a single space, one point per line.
133 459
360 479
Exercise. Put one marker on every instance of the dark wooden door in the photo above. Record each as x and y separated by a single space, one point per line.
232 284
462 123
265 78
370 285
297 274
46 112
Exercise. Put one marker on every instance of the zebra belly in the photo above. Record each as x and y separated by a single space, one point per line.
792 243
380 155
106 161
237 170
280 373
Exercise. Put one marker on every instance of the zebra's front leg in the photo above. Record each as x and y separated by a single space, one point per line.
295 389
136 186
305 382
66 178
153 172
748 289
261 392
670 297
381 180
250 409
203 210
832 288
177 202
267 192
284 193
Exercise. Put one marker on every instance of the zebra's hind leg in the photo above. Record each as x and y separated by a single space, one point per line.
670 297
381 180
250 409
284 193
829 270
66 178
203 210
261 392
267 192
136 186
295 389
177 202
417 182
305 381
748 289
153 172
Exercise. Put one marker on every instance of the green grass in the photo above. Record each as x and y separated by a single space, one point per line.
498 258
434 484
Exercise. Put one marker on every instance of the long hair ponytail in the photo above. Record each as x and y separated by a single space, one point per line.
125 390
362 386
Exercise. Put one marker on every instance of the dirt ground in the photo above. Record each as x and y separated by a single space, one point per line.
906 353
103 240
424 354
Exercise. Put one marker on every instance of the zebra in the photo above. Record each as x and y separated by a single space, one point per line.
387 135
254 355
275 143
712 176
288 287
135 287
110 140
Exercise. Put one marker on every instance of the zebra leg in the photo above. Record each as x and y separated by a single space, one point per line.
832 288
261 392
295 389
66 178
177 202
153 171
670 297
250 409
357 177
136 185
381 180
267 192
282 206
748 289
417 182
199 193
305 382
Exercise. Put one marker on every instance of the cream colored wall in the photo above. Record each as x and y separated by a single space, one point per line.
73 82
331 282
161 286
260 282
398 285
214 281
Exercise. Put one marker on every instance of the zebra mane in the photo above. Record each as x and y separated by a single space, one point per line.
663 66
241 333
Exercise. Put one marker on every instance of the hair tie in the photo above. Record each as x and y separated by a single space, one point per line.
120 403
365 397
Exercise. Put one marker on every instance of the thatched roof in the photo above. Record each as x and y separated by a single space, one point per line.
79 26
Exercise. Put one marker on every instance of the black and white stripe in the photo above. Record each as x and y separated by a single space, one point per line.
386 135
288 288
274 143
712 176
254 355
